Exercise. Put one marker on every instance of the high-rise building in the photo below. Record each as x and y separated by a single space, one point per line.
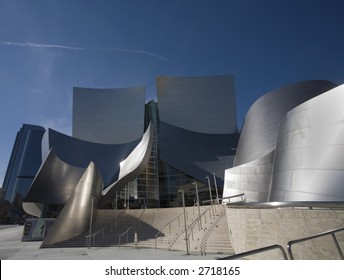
25 160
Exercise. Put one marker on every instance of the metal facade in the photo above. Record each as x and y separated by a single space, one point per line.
253 179
81 206
197 154
198 125
130 168
80 153
309 162
199 104
260 129
100 114
291 149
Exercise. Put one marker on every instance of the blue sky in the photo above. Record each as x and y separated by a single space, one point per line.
49 46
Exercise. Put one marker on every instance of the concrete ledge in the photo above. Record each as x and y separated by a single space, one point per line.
254 228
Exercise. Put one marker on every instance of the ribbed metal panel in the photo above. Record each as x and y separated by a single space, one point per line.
251 178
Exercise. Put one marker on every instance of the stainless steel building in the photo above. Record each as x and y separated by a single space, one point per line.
197 133
279 157
309 161
151 151
259 133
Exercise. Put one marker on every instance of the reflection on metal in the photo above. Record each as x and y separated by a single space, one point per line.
198 125
260 131
290 204
59 183
54 182
74 217
33 209
291 152
197 154
309 162
131 167
80 153
252 178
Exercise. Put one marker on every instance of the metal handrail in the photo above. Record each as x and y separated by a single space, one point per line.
257 251
196 221
214 201
208 231
93 236
144 209
291 204
330 232
127 233
242 195
168 224
102 230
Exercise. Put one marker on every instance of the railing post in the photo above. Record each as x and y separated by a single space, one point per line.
337 246
290 253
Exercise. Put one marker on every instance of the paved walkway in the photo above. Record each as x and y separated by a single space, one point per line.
11 248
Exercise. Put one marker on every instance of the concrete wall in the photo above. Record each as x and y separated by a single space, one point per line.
255 228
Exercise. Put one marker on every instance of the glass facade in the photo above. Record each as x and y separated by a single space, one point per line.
25 160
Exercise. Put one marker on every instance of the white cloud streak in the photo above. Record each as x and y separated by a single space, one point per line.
50 46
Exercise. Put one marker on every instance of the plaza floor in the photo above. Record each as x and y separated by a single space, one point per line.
11 248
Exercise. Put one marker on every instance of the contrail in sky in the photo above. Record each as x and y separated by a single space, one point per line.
49 46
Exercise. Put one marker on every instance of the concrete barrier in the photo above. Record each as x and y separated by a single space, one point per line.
254 228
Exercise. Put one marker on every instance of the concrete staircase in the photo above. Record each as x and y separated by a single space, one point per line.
162 228
169 222
216 238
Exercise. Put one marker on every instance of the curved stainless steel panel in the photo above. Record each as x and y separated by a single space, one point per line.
260 130
80 153
54 182
199 104
253 179
108 116
197 154
131 167
74 218
33 209
309 162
